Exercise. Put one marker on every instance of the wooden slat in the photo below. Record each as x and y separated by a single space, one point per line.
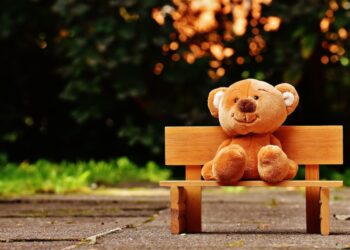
324 217
312 144
253 184
191 145
312 196
177 210
193 201
303 144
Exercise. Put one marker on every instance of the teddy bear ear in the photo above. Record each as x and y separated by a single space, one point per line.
290 96
214 99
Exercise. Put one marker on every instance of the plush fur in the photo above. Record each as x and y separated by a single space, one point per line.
249 111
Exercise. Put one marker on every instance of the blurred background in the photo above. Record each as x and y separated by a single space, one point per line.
88 86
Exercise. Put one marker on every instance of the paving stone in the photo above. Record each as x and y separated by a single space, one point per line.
232 218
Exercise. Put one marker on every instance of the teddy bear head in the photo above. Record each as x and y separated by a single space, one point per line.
252 106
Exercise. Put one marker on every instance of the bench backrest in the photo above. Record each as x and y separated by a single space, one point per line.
303 144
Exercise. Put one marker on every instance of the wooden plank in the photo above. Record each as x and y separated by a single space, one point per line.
312 200
193 201
177 210
197 145
324 202
191 145
312 144
183 183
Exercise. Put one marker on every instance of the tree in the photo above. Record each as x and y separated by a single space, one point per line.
101 79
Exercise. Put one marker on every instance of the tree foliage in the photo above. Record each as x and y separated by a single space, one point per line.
84 79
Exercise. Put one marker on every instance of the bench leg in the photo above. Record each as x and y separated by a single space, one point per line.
317 204
177 210
193 201
312 201
313 210
324 216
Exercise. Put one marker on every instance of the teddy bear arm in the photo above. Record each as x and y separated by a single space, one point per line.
275 141
207 171
225 143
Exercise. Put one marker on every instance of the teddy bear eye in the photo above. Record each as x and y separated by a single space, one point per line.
256 97
236 99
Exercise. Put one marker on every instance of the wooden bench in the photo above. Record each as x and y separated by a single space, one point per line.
307 145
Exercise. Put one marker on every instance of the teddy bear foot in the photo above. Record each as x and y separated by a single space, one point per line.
273 164
229 164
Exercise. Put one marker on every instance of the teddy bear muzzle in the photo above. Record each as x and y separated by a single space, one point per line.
246 106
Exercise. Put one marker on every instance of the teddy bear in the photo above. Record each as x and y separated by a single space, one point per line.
249 111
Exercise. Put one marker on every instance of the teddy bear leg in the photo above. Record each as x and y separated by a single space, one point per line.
273 164
293 170
229 164
207 171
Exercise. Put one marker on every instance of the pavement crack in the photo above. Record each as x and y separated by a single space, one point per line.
91 240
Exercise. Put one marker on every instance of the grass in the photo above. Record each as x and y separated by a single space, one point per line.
44 176
328 173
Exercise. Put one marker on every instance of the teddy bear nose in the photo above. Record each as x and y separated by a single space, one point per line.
246 106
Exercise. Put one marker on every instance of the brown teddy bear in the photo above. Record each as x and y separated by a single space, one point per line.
249 112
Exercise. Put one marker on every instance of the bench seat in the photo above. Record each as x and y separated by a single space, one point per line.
252 184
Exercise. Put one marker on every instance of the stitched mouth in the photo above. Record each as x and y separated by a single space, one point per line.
245 119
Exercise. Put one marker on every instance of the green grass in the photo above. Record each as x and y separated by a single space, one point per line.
44 176
328 173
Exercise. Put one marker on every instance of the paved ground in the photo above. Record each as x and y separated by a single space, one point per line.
255 218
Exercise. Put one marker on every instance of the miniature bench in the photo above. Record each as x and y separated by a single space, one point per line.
307 145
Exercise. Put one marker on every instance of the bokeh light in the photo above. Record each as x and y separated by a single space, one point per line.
208 28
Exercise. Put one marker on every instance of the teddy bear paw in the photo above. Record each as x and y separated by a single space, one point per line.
229 164
273 164
293 170
207 171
